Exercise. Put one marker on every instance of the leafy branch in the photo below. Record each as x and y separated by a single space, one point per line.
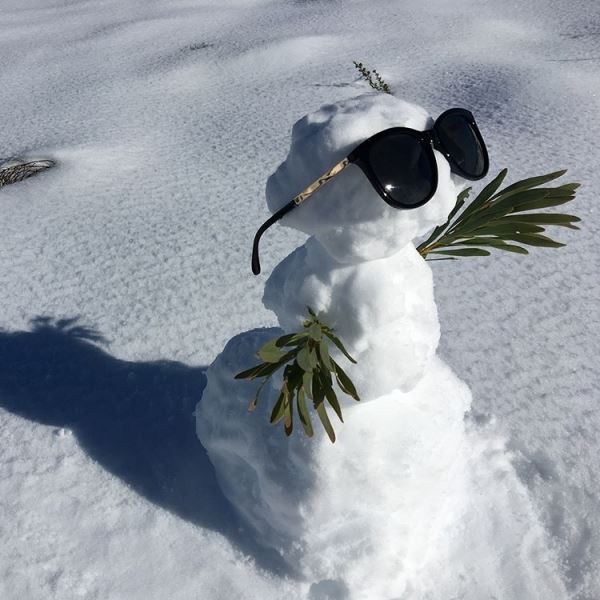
495 219
373 78
309 371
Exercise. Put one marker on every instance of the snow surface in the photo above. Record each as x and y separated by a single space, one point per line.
165 120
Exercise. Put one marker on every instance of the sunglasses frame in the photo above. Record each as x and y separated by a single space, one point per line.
454 166
429 140
361 158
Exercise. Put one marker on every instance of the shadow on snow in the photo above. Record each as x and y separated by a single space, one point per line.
133 418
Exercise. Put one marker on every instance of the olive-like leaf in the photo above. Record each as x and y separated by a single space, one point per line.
570 186
544 203
313 358
499 228
460 200
251 373
535 239
540 219
332 399
485 194
560 192
495 243
463 252
344 381
294 376
278 409
304 359
291 339
262 370
270 352
323 351
303 413
288 418
307 383
318 393
511 202
513 248
322 412
339 345
532 182
480 241
266 369
315 332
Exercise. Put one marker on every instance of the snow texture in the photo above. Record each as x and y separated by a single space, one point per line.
394 498
165 119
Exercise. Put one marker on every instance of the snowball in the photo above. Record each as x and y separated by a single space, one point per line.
404 492
383 310
347 215
362 509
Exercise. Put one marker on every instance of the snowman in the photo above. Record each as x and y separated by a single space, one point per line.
410 502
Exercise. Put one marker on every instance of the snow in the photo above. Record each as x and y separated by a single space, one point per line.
165 121
373 305
404 492
396 497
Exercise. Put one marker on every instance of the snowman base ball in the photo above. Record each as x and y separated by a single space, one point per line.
409 502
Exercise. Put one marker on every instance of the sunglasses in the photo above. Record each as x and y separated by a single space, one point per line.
400 164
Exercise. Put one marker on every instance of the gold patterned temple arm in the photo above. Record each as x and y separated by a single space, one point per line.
299 199
313 187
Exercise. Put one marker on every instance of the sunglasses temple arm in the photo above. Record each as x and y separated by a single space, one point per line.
270 221
299 199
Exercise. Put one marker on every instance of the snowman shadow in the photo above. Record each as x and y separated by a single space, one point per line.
136 419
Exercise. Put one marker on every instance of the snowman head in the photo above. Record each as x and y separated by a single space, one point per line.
347 215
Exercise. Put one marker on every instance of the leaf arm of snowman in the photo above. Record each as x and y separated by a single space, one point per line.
309 372
500 220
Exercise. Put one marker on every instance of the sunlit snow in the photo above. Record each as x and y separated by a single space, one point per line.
125 271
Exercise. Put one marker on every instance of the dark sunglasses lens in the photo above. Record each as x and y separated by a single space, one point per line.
462 143
404 168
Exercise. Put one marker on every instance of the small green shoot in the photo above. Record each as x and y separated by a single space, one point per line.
373 78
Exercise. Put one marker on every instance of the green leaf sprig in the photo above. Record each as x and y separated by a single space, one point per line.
373 78
309 371
495 219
